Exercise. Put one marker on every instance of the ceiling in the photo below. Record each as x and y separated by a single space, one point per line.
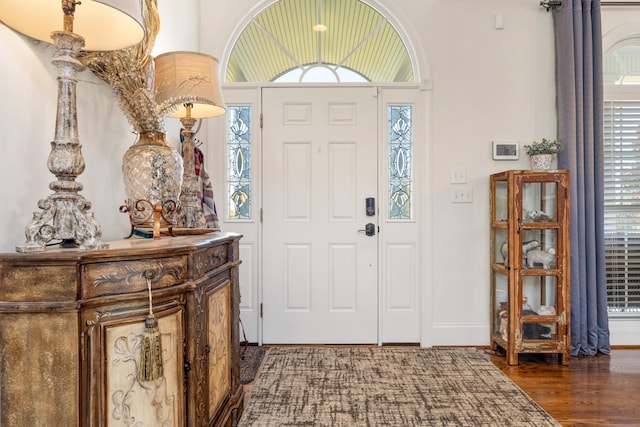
281 38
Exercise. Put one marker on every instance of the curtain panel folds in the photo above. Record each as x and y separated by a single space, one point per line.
578 50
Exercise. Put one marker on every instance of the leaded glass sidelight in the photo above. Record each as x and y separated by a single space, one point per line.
239 161
400 161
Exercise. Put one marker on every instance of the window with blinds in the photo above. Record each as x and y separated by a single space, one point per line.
622 205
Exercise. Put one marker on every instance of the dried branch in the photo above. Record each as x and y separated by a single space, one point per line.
130 72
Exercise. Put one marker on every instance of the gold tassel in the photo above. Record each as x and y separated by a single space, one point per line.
151 345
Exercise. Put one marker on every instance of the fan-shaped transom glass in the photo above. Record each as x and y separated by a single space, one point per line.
622 66
319 41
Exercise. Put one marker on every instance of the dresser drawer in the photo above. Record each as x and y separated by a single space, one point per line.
128 276
210 258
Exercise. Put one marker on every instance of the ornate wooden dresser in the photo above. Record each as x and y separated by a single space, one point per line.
71 324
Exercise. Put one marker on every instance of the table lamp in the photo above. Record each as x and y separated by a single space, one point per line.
95 25
189 81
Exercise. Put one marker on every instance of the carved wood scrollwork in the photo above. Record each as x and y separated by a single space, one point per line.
210 259
219 337
138 271
107 338
99 316
132 400
199 324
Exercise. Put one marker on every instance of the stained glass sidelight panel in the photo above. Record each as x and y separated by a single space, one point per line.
239 162
400 161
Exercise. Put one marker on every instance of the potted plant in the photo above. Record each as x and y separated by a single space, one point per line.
541 153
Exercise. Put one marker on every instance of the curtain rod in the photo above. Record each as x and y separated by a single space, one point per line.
549 4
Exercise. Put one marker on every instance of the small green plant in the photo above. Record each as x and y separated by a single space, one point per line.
546 146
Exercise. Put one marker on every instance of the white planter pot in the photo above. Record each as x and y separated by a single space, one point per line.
541 161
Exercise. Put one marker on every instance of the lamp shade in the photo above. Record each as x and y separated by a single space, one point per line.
189 77
104 24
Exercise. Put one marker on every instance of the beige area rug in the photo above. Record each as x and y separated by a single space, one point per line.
380 386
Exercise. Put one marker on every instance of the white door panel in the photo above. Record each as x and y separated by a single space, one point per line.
320 164
402 260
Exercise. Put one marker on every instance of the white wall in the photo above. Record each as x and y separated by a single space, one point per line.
487 84
28 90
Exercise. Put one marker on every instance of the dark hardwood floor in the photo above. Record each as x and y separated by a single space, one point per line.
602 390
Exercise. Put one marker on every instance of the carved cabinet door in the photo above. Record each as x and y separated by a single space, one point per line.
218 347
116 394
210 349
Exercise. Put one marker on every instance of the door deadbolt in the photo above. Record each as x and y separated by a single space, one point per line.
370 206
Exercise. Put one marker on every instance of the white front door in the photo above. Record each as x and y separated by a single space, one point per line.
320 268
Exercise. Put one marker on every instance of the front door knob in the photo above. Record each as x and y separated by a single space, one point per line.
369 229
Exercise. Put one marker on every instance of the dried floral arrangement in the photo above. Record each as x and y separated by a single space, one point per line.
130 72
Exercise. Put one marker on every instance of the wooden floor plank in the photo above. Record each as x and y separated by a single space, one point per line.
602 390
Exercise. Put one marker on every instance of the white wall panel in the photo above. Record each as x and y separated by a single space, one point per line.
297 276
342 277
401 282
297 114
342 177
297 181
343 114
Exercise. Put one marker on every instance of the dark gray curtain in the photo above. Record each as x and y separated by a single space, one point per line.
578 39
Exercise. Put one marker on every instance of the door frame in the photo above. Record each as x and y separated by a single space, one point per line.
251 244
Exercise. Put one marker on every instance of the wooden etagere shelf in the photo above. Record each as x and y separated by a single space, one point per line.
530 263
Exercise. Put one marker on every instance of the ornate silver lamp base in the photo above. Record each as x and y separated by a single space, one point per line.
73 225
65 214
190 213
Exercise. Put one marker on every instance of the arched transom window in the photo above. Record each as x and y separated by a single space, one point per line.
319 41
622 65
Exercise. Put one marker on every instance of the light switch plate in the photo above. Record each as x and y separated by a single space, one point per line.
462 194
458 176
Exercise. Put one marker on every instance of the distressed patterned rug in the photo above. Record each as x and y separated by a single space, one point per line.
381 386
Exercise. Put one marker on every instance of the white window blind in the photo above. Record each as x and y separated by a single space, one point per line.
622 205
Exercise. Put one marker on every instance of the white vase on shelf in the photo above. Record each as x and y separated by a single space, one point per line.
541 161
